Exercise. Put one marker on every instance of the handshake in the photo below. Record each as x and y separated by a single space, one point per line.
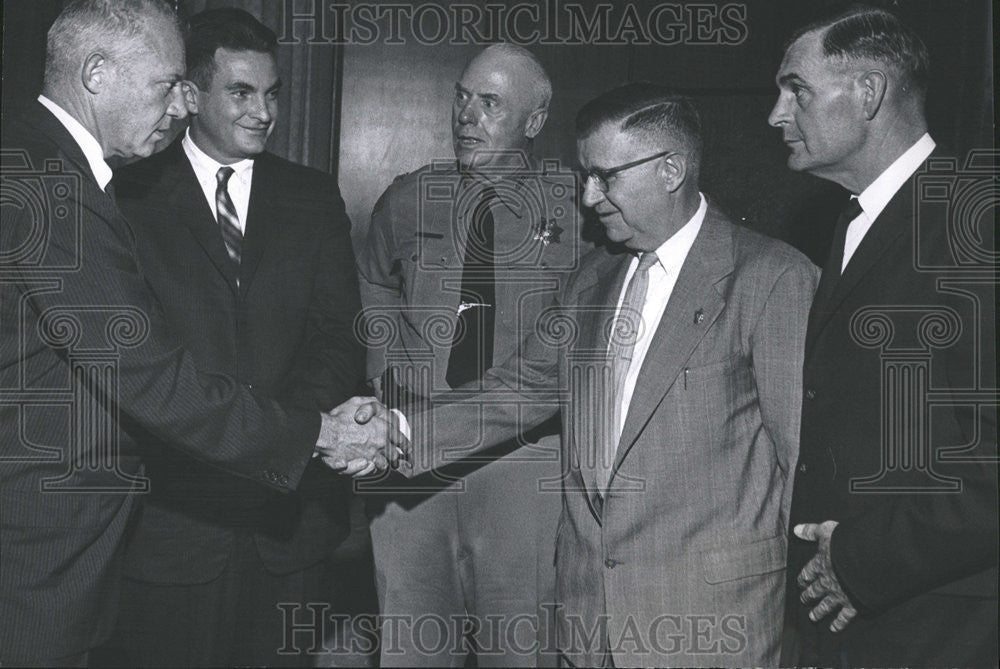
361 436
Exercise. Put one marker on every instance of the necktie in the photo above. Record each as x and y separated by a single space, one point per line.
831 271
229 223
472 347
623 339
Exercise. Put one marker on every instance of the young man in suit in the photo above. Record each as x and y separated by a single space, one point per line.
895 506
679 423
249 257
85 353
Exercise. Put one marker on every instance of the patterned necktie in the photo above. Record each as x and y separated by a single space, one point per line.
472 347
628 323
229 222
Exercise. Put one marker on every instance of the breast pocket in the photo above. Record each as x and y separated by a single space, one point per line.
723 399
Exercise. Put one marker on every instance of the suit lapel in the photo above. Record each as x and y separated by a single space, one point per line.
263 211
680 330
889 225
38 116
597 303
186 201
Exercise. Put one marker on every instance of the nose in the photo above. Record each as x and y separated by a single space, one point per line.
468 113
262 110
176 108
592 195
779 113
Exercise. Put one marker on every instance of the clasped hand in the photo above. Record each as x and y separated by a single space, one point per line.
361 436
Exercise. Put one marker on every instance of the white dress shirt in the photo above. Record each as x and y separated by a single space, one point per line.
91 148
874 198
662 278
205 170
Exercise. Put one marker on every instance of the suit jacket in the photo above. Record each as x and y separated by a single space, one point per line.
691 535
899 429
287 331
84 349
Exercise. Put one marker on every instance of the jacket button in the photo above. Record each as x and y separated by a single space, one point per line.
611 564
810 394
802 468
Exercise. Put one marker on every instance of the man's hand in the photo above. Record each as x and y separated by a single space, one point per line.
359 448
818 580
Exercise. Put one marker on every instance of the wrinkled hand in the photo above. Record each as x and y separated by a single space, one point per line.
359 448
818 580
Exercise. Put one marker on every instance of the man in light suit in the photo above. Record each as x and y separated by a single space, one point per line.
894 561
210 557
471 543
85 353
679 423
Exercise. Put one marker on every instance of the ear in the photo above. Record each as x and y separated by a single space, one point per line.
190 93
673 169
873 85
96 73
536 120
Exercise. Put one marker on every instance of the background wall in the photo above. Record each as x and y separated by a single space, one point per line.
372 111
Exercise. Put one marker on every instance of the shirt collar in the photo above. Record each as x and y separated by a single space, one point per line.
671 253
205 166
510 197
91 148
875 198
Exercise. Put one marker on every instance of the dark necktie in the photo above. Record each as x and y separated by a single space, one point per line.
472 347
229 223
831 271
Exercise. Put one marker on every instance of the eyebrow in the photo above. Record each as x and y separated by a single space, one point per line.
459 88
789 78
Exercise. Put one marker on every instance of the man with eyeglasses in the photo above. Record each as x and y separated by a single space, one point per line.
680 381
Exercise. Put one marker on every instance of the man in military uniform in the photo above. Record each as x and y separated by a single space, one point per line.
461 260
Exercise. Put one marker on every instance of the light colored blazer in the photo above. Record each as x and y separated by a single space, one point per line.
682 563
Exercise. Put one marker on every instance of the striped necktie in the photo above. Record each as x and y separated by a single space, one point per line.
229 222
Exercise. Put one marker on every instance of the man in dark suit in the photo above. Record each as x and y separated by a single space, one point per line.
84 349
895 504
679 423
249 257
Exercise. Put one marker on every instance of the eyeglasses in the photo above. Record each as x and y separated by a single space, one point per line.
601 177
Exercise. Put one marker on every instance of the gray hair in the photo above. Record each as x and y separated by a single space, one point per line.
869 33
112 27
541 82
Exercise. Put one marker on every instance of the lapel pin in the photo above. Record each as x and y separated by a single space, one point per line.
699 316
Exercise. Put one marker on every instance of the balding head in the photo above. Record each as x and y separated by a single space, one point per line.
114 28
523 64
115 66
501 103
